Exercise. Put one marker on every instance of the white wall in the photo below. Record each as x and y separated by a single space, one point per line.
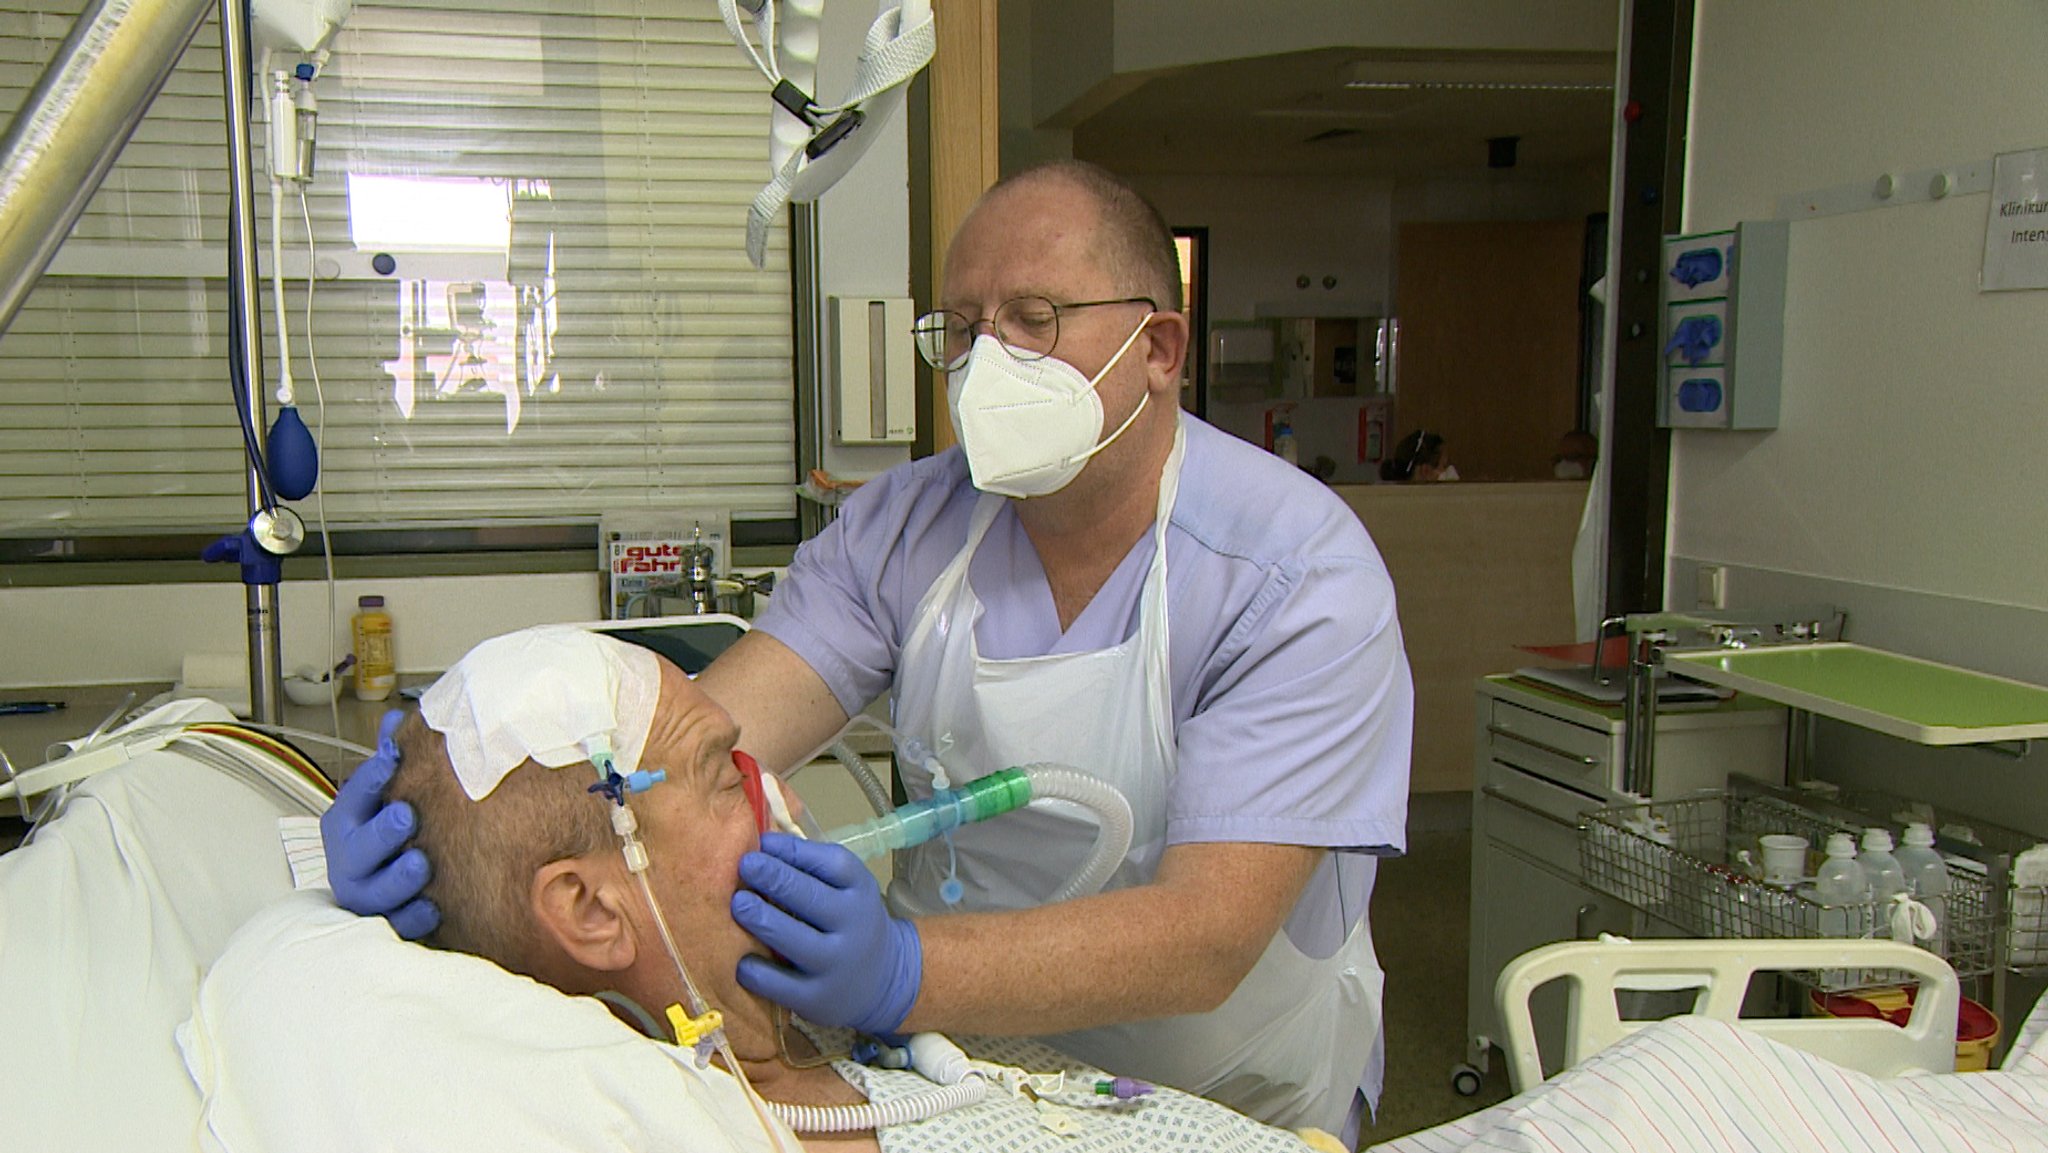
1022 141
863 221
1910 454
1170 33
112 634
1264 231
1084 49
1906 480
1515 194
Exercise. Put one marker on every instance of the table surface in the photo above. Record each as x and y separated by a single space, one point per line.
1918 700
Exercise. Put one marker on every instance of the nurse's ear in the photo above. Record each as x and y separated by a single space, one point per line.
580 905
1166 351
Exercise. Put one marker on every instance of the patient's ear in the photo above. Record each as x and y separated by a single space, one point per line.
580 905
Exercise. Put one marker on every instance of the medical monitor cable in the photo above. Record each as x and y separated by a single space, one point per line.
320 447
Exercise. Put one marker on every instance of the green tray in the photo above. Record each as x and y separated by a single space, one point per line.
1906 697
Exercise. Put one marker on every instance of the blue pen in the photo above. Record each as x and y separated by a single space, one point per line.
28 708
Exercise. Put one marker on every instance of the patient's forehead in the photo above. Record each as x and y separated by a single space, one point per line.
679 693
687 722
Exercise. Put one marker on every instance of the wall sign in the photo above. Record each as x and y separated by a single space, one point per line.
2016 234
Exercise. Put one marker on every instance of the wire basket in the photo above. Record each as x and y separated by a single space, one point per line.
1677 861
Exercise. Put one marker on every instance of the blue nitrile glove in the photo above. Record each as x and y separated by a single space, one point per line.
363 836
1696 267
1694 338
846 960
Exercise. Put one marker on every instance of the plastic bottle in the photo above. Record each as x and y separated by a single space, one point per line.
1926 877
1840 885
1881 871
376 671
1283 441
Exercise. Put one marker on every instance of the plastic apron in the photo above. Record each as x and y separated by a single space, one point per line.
1290 1046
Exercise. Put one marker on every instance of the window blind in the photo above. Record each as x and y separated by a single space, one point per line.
606 346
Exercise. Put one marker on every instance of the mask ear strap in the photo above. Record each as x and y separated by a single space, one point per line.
1096 381
1111 438
1142 401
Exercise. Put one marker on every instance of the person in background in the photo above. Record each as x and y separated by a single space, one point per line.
1577 451
1420 456
1012 597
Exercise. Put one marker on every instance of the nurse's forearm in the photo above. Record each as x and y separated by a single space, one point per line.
783 707
1178 945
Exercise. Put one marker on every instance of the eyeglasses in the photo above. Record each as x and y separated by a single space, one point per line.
1028 326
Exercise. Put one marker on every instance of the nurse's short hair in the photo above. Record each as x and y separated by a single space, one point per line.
484 854
1136 241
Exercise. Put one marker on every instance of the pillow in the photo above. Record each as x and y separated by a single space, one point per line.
321 1030
107 920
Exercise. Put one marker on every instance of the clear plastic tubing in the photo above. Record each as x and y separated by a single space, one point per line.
992 796
947 809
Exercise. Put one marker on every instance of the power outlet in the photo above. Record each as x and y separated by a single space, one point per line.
1712 592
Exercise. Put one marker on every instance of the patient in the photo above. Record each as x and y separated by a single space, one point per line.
533 879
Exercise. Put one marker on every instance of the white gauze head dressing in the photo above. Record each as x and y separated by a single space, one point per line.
542 694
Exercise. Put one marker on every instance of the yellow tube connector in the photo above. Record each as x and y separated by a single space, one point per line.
690 1030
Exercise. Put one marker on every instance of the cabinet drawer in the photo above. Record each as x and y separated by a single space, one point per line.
1534 816
1554 748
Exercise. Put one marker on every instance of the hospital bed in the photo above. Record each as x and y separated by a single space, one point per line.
112 911
176 990
1718 975
1712 1079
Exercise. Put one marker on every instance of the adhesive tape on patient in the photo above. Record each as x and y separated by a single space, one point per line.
542 694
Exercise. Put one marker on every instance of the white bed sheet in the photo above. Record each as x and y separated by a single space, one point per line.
388 1037
1691 1085
107 920
320 1030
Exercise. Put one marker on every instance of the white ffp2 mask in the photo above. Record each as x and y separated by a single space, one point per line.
1028 426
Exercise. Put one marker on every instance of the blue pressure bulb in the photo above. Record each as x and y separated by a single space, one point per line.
294 460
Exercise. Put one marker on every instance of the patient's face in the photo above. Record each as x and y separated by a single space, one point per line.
697 825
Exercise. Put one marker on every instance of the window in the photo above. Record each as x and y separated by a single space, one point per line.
571 326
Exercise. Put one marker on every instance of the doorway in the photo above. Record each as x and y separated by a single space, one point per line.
1191 245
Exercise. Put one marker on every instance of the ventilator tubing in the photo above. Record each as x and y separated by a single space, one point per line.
992 796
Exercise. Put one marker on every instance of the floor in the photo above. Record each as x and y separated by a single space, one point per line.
1420 927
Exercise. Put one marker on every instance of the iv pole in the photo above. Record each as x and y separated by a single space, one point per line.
270 534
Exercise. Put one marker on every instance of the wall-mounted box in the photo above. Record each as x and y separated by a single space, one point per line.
1724 327
874 380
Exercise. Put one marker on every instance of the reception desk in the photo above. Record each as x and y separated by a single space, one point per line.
1478 569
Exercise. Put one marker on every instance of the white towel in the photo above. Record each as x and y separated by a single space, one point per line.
2030 907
